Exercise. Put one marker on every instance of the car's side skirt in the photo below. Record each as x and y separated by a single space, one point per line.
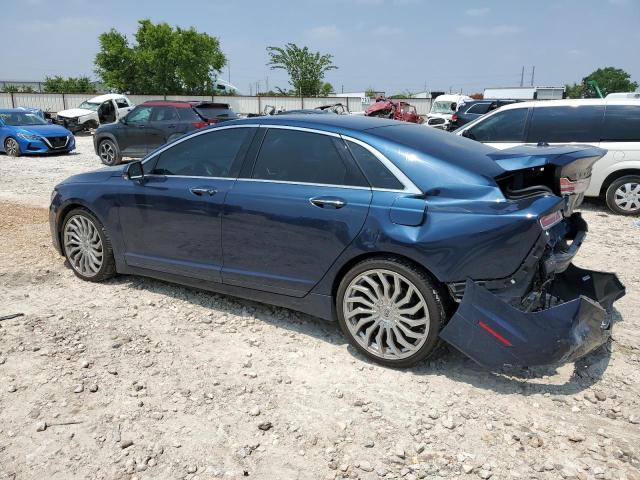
317 305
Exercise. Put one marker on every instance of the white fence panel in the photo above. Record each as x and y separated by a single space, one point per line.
138 99
180 98
240 104
281 103
5 100
423 105
355 104
49 102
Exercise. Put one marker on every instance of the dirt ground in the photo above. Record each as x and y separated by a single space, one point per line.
135 378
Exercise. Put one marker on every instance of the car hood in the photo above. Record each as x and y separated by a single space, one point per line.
76 112
49 130
95 176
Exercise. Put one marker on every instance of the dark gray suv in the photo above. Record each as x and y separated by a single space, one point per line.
153 124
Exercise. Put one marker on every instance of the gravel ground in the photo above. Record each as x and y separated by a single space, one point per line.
136 378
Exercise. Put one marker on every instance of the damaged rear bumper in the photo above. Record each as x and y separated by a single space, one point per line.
494 333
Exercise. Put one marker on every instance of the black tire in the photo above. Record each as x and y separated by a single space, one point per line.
109 152
422 281
108 267
631 207
12 147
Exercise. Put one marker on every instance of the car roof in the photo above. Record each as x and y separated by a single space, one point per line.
329 123
105 97
185 104
577 102
13 110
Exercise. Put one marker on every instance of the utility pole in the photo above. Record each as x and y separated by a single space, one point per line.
533 72
229 71
251 89
267 81
522 77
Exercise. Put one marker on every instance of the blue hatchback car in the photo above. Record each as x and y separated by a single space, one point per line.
25 132
405 235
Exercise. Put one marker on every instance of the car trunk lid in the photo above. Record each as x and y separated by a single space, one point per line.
533 170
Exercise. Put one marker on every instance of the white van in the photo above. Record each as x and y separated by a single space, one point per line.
611 123
443 108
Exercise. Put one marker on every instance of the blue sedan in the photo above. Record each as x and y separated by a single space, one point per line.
24 132
405 235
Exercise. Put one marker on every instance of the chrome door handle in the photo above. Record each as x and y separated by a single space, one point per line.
200 191
328 202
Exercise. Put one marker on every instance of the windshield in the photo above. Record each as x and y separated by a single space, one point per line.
443 106
89 106
21 118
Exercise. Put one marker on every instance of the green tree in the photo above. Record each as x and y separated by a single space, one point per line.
609 80
59 84
306 69
326 90
371 92
163 59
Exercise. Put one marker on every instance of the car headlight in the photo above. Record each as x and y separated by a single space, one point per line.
29 137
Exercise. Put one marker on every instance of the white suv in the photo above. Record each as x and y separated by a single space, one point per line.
612 123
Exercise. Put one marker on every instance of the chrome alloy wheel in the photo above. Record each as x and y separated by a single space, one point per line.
386 314
11 147
107 152
627 196
83 246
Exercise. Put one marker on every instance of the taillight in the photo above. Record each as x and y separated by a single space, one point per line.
569 187
454 118
550 220
199 124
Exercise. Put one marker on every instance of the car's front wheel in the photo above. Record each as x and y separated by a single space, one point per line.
12 147
623 195
389 310
109 152
87 246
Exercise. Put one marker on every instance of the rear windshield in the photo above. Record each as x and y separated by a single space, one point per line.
215 112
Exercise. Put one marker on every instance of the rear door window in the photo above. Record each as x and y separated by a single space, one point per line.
621 124
566 124
303 157
164 114
378 175
479 108
505 126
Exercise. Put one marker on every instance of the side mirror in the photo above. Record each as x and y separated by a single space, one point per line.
133 171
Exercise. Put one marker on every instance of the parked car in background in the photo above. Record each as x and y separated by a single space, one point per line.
396 110
155 123
612 123
95 111
403 234
469 111
26 133
443 108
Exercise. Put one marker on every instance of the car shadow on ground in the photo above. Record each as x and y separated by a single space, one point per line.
445 361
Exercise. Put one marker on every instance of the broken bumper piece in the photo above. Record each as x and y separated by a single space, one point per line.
494 333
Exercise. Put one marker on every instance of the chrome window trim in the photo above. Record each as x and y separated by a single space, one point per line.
157 175
409 186
301 129
285 182
195 134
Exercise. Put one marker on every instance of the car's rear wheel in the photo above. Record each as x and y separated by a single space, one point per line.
87 246
109 152
389 310
623 195
12 147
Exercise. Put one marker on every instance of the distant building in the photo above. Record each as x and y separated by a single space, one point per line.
524 93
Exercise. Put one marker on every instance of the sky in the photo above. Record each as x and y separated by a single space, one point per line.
388 45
